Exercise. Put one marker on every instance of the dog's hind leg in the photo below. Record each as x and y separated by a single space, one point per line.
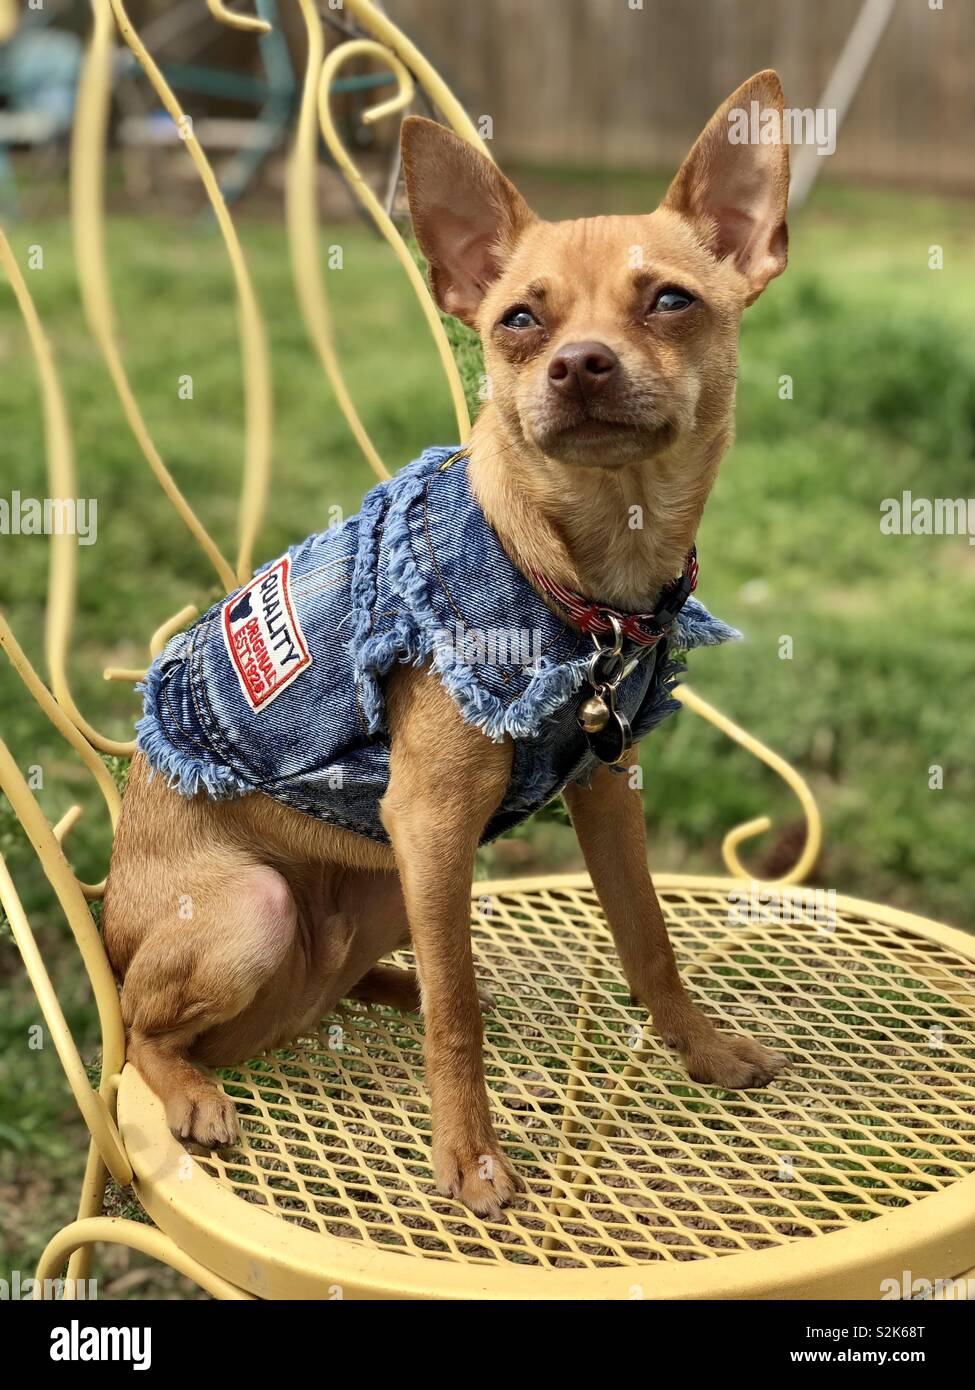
194 972
389 985
374 901
400 989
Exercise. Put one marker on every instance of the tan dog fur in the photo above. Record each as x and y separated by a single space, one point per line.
234 925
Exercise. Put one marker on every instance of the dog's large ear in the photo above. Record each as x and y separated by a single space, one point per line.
735 190
466 215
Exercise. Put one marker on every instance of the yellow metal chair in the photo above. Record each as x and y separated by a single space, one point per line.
857 1166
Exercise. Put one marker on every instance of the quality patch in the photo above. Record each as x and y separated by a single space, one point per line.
263 637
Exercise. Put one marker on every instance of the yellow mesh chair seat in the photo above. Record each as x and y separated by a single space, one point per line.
856 1164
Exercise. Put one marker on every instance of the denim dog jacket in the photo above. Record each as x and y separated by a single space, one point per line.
278 688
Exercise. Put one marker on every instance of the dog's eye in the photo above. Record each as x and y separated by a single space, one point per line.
519 317
668 301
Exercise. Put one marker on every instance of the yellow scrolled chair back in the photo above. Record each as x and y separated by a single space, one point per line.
62 576
379 215
97 1107
407 65
72 735
300 190
257 368
88 141
248 23
749 829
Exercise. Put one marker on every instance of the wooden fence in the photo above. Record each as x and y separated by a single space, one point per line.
612 83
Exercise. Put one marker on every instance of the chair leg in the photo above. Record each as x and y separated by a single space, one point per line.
91 1203
115 1230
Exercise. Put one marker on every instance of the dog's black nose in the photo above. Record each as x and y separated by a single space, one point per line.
582 368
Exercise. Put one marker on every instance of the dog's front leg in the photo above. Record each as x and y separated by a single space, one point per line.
446 779
608 819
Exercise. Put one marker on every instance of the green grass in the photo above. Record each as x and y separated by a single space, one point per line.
881 353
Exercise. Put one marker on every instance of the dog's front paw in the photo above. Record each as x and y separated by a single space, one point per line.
734 1062
484 1181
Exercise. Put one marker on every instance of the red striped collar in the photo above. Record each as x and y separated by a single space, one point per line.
645 629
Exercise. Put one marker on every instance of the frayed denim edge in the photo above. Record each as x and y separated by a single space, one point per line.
185 774
696 627
412 638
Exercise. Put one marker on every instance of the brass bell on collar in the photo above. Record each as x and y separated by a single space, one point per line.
593 714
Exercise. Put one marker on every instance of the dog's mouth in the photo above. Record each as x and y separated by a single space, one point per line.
595 426
579 434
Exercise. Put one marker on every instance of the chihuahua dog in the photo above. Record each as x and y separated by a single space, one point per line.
611 347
